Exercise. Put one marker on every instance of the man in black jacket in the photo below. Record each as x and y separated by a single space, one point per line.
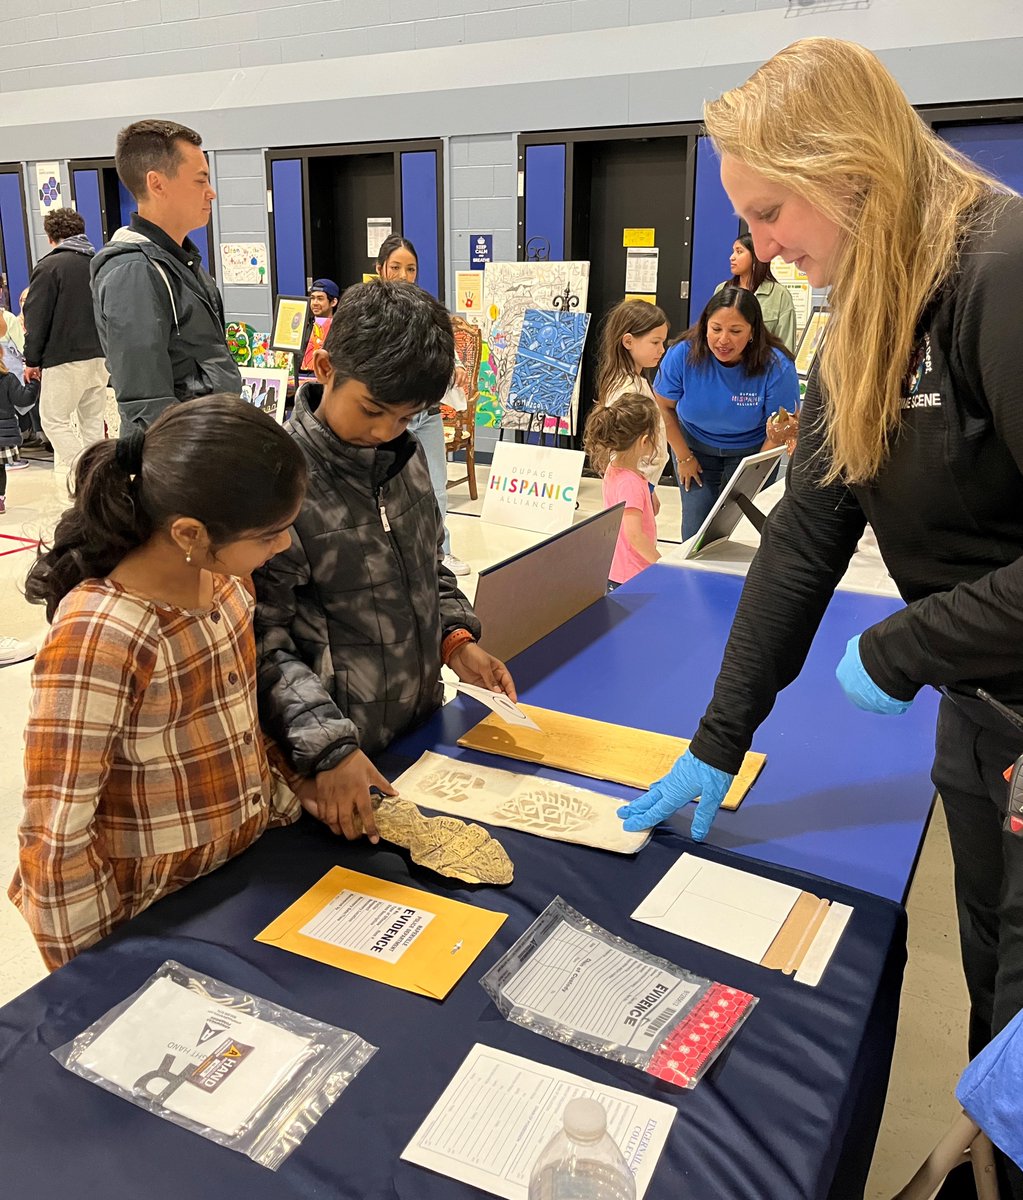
159 314
62 348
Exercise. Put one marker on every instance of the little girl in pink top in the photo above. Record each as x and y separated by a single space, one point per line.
618 440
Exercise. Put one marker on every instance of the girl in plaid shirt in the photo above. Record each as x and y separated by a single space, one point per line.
144 764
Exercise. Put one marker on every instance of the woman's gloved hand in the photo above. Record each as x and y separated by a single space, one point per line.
689 779
861 689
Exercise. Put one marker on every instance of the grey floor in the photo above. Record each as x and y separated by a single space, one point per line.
930 1051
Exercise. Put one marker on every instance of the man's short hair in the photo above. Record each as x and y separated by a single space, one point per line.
394 339
151 145
63 223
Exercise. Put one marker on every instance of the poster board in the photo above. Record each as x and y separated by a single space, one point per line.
547 362
533 487
265 388
562 575
290 315
510 289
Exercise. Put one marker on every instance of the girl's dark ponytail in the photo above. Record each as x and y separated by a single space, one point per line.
216 459
100 528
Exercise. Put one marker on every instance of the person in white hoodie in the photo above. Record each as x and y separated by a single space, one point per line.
62 347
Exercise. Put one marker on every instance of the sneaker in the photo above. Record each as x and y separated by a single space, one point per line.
18 465
12 650
456 566
3 505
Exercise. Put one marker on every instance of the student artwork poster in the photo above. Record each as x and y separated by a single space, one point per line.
266 389
511 288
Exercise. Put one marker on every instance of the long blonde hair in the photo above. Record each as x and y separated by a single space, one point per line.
826 120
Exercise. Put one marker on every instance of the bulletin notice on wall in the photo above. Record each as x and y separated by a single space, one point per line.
641 269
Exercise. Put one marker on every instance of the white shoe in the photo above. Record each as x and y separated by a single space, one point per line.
456 566
14 651
19 464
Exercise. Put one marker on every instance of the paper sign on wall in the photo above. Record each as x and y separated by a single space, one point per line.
637 237
378 230
641 269
468 291
243 262
48 187
481 250
533 487
649 297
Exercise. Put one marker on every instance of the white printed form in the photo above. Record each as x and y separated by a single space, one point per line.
598 990
380 929
500 1110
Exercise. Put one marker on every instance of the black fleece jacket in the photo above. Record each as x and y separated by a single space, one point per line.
947 509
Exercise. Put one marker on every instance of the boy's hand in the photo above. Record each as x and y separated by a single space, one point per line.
472 664
344 791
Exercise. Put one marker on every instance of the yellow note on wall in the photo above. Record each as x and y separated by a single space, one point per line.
638 237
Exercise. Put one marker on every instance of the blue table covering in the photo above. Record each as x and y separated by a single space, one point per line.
845 794
790 1111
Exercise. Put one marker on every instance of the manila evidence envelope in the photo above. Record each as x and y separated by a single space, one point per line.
393 934
635 757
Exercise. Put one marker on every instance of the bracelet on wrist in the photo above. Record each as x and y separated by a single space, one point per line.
453 642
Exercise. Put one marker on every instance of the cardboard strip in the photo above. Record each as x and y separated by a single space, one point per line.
598 749
790 947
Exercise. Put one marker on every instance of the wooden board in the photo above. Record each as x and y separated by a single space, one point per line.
618 753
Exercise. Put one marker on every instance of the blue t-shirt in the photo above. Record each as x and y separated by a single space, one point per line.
725 407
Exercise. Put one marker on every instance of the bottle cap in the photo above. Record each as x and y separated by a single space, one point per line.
585 1120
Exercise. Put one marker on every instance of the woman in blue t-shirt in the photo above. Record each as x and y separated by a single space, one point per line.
717 386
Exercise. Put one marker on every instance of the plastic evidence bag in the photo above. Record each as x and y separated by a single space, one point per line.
571 980
239 1070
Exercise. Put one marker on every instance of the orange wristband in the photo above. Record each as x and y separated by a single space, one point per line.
457 637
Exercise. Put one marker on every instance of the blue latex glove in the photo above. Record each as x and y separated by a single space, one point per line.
687 780
861 689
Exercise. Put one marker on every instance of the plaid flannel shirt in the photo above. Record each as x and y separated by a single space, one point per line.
144 764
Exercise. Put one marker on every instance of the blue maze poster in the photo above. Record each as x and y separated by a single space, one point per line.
547 362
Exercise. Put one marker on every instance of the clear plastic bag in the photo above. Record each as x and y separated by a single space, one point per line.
572 981
237 1069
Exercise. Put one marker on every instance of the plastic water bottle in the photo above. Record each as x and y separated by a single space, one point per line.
582 1161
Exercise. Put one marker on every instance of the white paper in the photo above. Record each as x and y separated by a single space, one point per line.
599 990
719 906
378 230
243 263
378 928
499 1111
505 708
232 1062
641 270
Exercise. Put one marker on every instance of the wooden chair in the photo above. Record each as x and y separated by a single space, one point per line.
460 427
964 1142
